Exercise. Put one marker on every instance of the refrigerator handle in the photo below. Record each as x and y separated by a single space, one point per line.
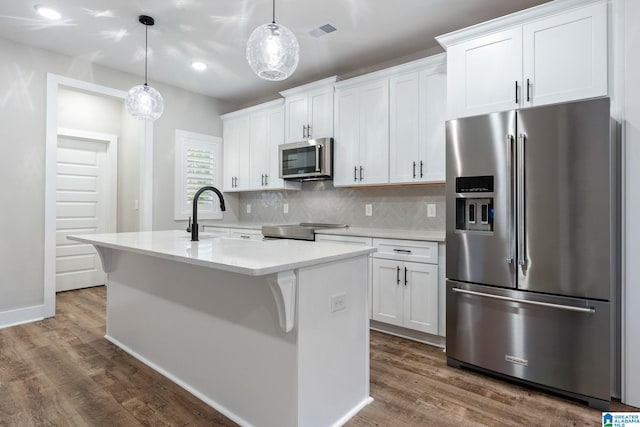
510 200
522 216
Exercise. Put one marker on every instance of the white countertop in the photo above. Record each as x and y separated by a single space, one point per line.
250 257
387 233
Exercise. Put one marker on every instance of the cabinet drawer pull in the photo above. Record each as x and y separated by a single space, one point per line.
244 236
402 251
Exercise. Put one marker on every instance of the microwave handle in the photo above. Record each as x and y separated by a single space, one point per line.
318 158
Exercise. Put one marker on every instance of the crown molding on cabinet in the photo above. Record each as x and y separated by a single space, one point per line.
511 20
309 86
275 103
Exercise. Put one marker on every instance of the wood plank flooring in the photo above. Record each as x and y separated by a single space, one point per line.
62 372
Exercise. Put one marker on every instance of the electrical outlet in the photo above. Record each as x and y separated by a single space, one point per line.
431 210
338 302
368 209
285 208
248 207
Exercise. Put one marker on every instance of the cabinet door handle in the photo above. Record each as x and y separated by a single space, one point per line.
397 275
361 173
244 236
266 179
528 93
308 131
304 131
405 276
421 164
355 173
517 102
262 180
414 170
402 251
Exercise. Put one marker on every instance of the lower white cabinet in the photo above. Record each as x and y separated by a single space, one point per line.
404 285
405 294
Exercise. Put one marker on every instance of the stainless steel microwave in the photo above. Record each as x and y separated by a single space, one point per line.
307 160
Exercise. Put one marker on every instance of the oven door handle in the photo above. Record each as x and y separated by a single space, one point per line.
588 310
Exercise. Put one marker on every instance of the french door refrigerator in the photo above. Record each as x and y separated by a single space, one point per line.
532 238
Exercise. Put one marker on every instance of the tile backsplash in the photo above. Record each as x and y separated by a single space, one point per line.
403 207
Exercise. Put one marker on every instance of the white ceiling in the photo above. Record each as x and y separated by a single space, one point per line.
370 33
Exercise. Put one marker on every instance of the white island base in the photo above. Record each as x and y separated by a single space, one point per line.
222 336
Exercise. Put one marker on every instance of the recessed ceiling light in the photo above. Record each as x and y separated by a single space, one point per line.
199 65
47 12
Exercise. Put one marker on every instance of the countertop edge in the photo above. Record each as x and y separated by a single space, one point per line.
223 266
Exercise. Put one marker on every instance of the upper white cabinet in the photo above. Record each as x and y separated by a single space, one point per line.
389 126
416 126
361 148
251 139
551 53
309 111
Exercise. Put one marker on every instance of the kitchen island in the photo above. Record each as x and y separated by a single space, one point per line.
269 333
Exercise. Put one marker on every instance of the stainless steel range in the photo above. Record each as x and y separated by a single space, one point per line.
302 231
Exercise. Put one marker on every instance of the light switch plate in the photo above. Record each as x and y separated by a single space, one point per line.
248 208
431 210
285 208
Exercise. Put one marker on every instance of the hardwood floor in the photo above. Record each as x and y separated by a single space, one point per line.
62 372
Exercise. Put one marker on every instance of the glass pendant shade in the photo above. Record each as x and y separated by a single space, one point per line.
273 52
144 102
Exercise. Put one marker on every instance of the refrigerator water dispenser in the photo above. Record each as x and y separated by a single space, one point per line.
474 213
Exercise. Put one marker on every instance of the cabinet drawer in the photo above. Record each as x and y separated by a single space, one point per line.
348 240
406 250
248 234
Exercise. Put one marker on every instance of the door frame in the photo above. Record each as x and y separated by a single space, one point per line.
54 82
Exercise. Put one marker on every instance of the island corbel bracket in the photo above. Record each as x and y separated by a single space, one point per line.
283 288
105 258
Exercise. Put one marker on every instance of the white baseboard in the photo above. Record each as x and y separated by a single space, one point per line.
215 405
22 315
342 421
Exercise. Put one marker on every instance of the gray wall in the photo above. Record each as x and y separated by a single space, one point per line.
23 79
393 207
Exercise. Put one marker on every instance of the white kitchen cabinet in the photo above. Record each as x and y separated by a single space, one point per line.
417 126
361 149
404 292
554 53
566 56
236 136
309 111
251 139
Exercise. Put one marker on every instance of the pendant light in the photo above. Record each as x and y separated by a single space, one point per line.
144 102
273 51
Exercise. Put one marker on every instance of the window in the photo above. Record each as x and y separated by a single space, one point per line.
198 163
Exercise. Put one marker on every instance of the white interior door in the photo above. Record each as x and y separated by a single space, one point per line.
85 204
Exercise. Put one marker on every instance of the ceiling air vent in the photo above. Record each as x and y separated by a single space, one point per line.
322 30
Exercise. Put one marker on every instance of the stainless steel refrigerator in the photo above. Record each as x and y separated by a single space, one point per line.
532 247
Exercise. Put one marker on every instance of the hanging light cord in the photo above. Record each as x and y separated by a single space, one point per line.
274 11
146 38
